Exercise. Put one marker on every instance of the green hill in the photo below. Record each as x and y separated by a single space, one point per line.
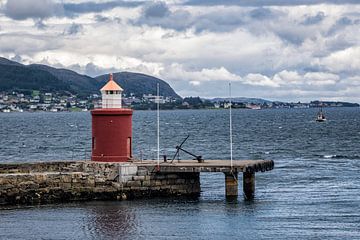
16 76
13 77
139 84
77 83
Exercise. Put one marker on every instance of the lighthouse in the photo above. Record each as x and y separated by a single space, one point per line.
111 127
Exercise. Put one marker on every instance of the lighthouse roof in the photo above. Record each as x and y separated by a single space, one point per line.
111 85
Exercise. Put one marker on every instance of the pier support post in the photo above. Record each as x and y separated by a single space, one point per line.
249 185
231 184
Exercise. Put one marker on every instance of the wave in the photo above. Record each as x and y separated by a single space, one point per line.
335 156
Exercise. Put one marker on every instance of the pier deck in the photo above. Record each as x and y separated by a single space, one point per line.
224 166
247 167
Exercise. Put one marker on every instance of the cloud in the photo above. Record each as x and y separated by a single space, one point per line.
347 60
276 51
262 13
17 58
26 43
24 9
342 23
195 83
310 20
40 24
257 79
73 29
96 7
92 70
289 79
156 10
177 72
158 14
321 78
216 20
286 77
267 2
42 9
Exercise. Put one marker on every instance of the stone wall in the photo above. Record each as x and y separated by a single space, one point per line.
48 182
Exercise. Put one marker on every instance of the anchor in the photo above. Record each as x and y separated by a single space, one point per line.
179 148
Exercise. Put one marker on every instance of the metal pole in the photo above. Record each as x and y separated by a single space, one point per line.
158 125
231 140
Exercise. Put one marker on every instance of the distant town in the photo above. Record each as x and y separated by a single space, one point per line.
57 102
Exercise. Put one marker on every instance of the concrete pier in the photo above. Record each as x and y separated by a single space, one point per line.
63 181
231 184
247 167
249 185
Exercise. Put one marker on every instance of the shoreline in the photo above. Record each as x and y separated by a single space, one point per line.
190 109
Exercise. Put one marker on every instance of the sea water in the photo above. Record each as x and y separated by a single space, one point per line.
312 193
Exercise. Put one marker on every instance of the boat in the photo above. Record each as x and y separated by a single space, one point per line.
321 116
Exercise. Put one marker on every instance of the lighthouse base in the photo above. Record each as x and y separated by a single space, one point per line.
111 135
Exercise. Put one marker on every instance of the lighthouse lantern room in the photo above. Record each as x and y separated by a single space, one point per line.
111 94
111 127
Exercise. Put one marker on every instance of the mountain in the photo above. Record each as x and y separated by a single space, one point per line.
77 83
16 76
20 77
4 61
139 84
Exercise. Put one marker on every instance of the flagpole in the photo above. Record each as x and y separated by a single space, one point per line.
231 139
158 125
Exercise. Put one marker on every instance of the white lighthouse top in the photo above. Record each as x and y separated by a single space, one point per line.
111 94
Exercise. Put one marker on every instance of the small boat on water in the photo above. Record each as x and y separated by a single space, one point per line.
321 116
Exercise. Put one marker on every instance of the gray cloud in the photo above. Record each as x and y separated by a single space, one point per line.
73 29
224 20
24 9
274 52
26 43
342 23
180 20
310 20
92 70
101 19
41 9
290 36
40 24
262 13
17 58
255 3
86 7
156 10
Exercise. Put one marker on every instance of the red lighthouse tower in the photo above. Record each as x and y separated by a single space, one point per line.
111 127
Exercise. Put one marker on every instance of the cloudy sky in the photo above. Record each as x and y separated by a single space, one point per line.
292 50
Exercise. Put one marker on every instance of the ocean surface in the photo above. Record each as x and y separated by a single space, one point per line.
313 192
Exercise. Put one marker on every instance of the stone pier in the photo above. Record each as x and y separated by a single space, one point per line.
49 182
